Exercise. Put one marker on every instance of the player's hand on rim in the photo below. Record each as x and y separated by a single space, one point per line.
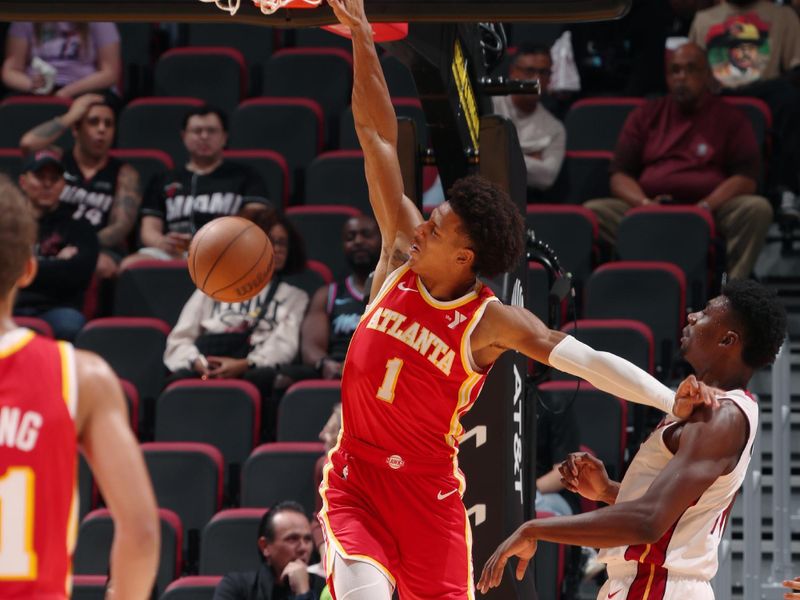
349 12
520 545
692 393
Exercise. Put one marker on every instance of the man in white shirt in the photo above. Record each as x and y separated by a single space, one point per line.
541 136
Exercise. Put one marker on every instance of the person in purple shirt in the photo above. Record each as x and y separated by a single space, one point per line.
691 147
85 57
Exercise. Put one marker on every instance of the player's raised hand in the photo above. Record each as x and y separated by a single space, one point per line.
794 584
520 545
349 12
586 475
692 393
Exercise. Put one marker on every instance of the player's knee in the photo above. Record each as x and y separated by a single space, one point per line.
357 580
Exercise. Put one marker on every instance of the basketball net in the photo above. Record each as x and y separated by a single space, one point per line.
381 32
266 6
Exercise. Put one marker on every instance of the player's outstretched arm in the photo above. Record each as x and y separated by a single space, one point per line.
118 466
709 446
376 127
513 328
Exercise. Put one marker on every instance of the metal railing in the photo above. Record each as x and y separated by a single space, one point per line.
754 588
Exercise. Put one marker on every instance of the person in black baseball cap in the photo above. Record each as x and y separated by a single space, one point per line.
66 249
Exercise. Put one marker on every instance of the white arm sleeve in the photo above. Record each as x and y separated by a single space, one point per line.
611 374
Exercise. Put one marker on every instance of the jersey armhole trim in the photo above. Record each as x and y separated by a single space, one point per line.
69 378
467 360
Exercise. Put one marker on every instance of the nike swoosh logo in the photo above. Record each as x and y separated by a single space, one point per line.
402 287
441 496
615 593
340 301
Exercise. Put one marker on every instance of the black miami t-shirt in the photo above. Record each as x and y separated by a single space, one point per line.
186 201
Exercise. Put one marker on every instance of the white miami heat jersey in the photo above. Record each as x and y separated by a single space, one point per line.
690 545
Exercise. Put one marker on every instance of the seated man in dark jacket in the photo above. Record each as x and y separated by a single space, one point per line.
285 545
66 250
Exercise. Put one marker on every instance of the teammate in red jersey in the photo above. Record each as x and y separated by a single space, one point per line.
392 510
52 399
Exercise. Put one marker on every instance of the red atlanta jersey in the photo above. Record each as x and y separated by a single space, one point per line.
408 376
38 462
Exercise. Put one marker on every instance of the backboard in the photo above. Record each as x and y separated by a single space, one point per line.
378 11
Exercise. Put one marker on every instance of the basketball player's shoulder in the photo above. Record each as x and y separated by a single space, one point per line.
97 383
720 429
493 327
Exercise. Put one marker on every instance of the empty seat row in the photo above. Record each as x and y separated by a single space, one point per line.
649 292
646 233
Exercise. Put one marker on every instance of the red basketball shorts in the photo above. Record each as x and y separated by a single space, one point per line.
405 519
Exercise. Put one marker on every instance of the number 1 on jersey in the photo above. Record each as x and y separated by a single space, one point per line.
386 391
17 557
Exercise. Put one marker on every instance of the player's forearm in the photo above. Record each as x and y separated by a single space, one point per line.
611 374
134 561
373 112
619 525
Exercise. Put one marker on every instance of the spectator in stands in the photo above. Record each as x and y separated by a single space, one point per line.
542 137
284 544
245 340
690 147
336 308
102 190
62 58
753 47
178 203
66 250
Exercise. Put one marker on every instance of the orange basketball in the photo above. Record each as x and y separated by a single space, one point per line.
231 259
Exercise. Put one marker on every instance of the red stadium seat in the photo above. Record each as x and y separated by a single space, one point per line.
216 74
651 292
192 588
18 114
305 408
321 228
229 541
271 166
38 325
96 534
281 471
187 479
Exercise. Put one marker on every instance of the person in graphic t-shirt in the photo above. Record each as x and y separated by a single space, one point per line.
753 48
181 201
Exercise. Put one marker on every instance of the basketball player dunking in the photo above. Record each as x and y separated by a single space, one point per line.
53 398
392 510
667 516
